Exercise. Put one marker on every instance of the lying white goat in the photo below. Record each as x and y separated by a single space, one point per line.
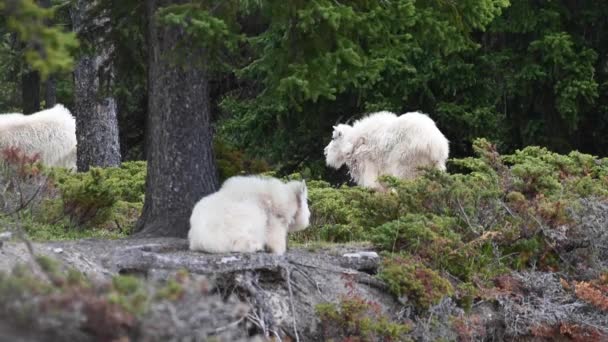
386 144
249 214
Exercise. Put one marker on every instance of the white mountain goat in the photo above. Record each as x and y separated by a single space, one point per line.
249 214
50 133
386 144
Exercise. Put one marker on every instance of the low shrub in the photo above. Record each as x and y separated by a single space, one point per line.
53 203
407 277
496 214
232 162
355 319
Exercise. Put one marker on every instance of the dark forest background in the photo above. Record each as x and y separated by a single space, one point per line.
280 74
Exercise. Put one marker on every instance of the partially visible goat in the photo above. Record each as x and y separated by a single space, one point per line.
50 133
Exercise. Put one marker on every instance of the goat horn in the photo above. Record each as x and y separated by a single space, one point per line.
338 121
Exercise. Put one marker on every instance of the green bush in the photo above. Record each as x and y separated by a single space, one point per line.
492 216
56 204
102 202
128 181
232 162
345 214
420 284
88 198
125 183
536 170
417 233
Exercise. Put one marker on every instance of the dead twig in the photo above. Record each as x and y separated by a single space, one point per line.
287 276
466 217
258 301
230 325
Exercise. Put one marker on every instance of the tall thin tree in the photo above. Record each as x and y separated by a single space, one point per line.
95 108
30 90
50 84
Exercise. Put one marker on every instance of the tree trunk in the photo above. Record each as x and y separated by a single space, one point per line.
50 86
181 166
30 91
96 122
50 92
95 110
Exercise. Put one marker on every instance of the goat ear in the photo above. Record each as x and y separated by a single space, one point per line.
361 141
303 189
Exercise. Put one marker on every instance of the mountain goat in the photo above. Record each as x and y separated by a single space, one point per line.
249 214
386 144
50 133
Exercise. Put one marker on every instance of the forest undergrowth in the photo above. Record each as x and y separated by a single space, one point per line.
484 231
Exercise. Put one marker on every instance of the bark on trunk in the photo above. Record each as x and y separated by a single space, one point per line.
50 92
96 121
30 91
95 110
181 165
50 85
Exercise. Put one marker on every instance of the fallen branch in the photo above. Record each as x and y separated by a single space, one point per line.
136 259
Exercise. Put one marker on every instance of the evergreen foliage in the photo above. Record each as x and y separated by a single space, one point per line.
497 214
55 204
517 72
529 73
47 48
528 76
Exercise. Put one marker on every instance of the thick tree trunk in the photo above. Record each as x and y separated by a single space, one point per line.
95 110
181 166
30 91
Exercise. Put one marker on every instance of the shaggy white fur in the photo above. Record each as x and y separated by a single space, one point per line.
248 214
386 144
51 133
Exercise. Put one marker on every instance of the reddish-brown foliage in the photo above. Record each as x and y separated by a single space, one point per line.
508 283
579 333
573 332
592 295
469 328
25 165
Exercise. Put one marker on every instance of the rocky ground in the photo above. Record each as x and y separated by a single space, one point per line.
242 297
